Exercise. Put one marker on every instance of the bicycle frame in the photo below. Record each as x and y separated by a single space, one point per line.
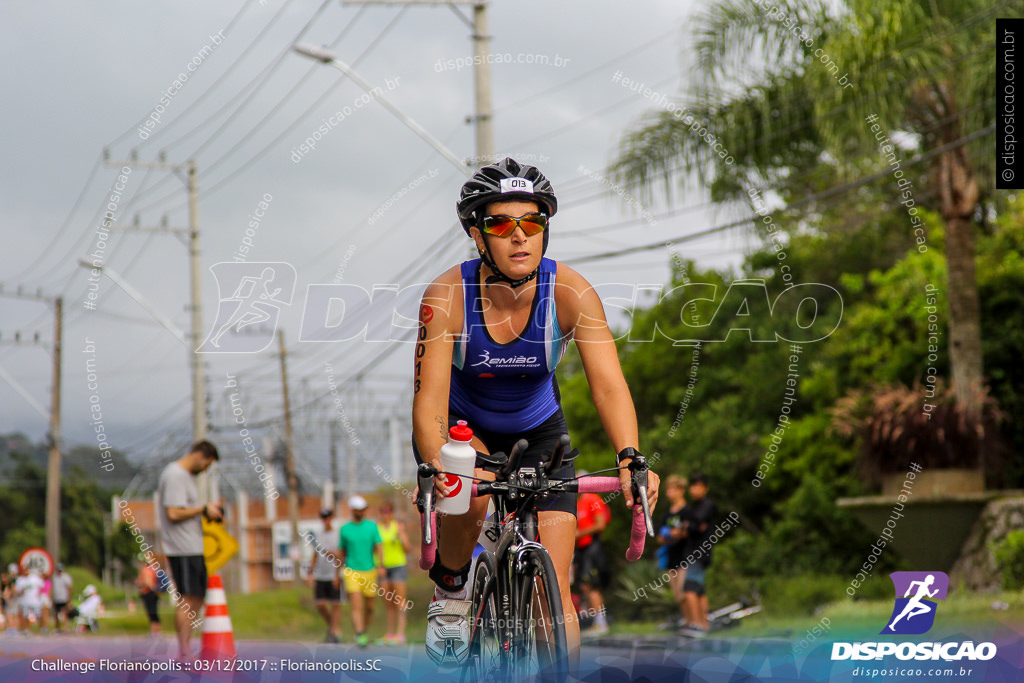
514 492
518 522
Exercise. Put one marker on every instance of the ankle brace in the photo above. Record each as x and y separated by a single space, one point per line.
448 580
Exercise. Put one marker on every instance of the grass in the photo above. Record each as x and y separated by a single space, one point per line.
279 614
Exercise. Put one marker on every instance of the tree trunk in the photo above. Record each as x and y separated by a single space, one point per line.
960 196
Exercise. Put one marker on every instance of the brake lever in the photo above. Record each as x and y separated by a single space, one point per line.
639 468
425 498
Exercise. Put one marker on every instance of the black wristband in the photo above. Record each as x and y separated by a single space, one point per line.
627 452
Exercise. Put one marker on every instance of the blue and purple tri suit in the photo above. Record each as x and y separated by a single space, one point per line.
507 388
507 392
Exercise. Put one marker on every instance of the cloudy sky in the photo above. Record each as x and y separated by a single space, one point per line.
368 203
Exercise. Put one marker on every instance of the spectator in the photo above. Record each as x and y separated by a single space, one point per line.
62 585
322 571
13 609
673 536
395 544
89 609
591 563
7 610
182 531
702 518
149 593
358 543
44 621
29 590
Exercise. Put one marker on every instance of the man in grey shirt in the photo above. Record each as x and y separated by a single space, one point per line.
61 594
182 532
322 573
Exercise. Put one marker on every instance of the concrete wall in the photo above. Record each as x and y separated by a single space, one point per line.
975 569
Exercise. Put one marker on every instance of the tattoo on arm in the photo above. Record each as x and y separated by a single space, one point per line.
420 347
443 423
420 350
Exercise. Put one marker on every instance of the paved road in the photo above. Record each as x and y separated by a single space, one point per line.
93 657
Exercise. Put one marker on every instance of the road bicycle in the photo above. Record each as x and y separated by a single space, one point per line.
517 628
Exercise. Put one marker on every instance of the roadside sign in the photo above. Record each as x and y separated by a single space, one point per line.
218 545
38 559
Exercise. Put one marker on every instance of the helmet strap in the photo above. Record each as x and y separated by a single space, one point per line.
499 276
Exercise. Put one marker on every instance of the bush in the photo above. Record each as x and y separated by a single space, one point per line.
83 576
621 598
1010 560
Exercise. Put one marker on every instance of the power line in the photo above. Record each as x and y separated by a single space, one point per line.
214 86
260 80
227 29
234 175
839 189
532 99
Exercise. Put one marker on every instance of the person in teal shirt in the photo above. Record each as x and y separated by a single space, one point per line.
358 542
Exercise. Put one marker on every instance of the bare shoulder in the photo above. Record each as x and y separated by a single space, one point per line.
576 301
444 284
570 286
568 276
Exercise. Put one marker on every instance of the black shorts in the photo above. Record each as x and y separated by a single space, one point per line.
542 438
189 574
150 600
592 565
325 591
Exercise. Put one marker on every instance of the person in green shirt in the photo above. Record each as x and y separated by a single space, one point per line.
358 542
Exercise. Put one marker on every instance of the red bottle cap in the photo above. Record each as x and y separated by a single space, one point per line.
461 431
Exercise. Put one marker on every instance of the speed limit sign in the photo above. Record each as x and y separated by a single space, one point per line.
38 559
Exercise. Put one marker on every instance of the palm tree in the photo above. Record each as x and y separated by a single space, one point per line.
789 88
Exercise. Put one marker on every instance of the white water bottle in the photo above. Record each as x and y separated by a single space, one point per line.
458 457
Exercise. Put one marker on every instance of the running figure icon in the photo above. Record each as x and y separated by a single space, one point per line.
252 306
915 605
252 296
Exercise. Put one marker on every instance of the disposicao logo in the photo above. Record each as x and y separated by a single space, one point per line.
914 614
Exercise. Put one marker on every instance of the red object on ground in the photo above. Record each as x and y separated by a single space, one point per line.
218 636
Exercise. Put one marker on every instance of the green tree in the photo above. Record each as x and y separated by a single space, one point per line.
85 501
920 68
82 506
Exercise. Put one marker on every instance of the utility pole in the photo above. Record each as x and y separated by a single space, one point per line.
53 464
351 483
482 87
482 118
196 306
334 458
205 480
289 463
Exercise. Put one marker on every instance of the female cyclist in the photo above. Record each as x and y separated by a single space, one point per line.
492 330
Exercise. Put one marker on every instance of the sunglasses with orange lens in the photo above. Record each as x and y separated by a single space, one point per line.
503 226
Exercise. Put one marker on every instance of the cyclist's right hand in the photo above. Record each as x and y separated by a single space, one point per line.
441 490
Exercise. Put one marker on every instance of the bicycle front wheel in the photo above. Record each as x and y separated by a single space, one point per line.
539 644
487 654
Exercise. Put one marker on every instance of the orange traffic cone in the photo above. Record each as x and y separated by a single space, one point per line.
218 638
